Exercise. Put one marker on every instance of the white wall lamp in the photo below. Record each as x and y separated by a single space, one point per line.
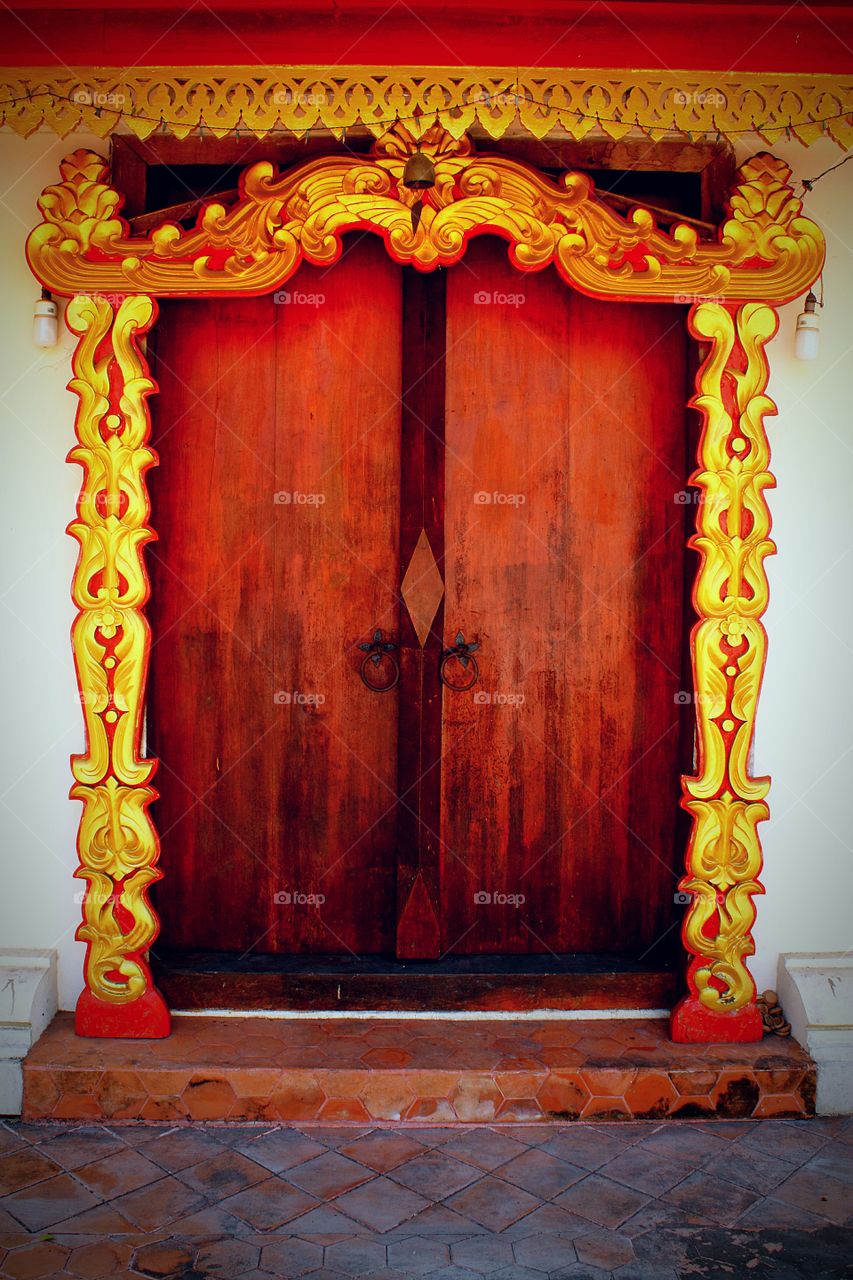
45 324
807 339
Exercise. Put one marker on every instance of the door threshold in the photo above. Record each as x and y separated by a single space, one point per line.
604 985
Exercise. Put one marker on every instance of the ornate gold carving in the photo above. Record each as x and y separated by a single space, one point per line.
540 101
117 843
729 650
766 249
422 587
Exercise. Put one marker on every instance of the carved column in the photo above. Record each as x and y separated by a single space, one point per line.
729 647
117 842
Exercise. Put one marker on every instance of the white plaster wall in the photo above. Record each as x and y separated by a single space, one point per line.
805 734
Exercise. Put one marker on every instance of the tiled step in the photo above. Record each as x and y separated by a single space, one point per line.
411 1071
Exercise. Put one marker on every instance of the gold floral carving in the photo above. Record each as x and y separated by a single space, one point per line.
577 103
765 250
729 647
117 843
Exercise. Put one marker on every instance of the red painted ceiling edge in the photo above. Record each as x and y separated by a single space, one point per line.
754 37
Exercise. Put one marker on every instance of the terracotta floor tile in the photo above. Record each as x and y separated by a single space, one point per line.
483 1253
540 1173
646 1170
268 1205
685 1142
79 1146
165 1258
356 1257
815 1192
324 1221
177 1149
545 1252
382 1150
102 1220
381 1204
601 1201
484 1148
435 1174
329 1175
114 1175
493 1203
589 1148
223 1174
786 1141
750 1168
835 1160
282 1149
45 1203
225 1259
152 1207
102 1258
711 1197
291 1257
36 1260
23 1168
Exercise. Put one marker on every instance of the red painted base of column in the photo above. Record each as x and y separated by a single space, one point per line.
145 1019
692 1023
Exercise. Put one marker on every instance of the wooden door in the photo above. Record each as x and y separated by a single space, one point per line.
563 553
278 497
474 453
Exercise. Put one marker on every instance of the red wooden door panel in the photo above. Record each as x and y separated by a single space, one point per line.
564 547
278 427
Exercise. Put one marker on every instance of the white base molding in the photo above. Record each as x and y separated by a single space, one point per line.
27 1005
816 993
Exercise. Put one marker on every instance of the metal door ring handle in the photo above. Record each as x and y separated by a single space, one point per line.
463 654
378 651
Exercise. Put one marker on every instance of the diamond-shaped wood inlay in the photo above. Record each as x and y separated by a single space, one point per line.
422 587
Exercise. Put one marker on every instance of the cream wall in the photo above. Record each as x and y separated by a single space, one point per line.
804 735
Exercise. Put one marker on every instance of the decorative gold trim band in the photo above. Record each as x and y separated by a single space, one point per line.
576 102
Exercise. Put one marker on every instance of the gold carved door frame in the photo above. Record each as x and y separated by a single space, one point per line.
765 253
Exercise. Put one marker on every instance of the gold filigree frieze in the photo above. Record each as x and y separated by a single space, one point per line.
765 250
258 101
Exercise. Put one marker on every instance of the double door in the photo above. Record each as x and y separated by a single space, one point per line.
418 614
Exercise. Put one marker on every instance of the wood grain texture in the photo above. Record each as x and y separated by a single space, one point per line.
566 416
258 605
